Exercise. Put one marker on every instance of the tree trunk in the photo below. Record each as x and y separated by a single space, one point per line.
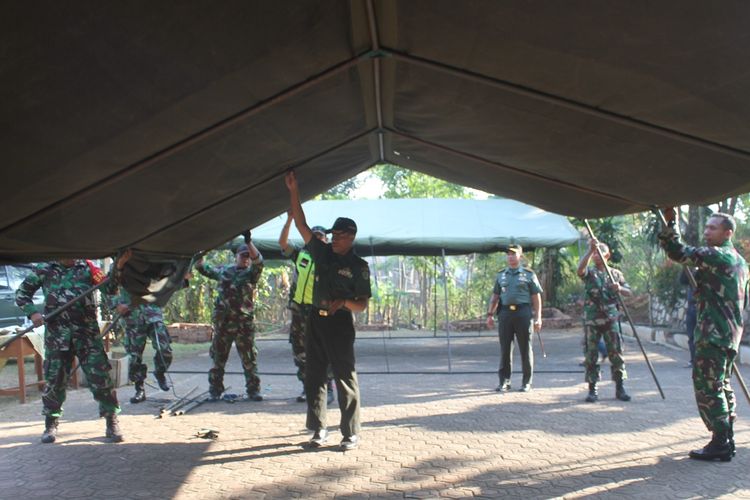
549 266
732 205
693 228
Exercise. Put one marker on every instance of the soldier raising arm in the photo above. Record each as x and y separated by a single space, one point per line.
234 318
601 315
722 281
342 286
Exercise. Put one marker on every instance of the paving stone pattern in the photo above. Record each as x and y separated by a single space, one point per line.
424 435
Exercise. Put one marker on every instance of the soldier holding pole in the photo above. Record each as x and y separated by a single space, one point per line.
722 293
601 314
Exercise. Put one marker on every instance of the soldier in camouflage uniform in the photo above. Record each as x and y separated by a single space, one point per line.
143 322
722 278
601 315
301 300
73 333
233 318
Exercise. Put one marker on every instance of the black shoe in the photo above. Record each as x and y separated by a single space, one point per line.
319 438
349 443
525 388
50 430
140 394
593 395
302 397
213 397
162 381
504 386
718 448
113 432
254 396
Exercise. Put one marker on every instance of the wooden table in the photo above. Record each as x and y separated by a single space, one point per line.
18 349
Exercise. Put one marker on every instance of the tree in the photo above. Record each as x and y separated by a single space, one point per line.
403 183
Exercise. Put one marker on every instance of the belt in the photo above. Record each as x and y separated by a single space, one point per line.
322 312
514 307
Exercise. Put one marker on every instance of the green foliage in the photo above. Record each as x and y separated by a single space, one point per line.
403 183
666 284
195 303
567 285
608 230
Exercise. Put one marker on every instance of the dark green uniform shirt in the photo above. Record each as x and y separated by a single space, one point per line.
516 286
722 278
337 276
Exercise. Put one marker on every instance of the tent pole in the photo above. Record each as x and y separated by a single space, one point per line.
482 305
375 275
447 324
434 296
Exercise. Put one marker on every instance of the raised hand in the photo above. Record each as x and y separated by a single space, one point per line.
291 180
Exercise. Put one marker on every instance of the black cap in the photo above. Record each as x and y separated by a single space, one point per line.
344 224
318 229
242 249
515 249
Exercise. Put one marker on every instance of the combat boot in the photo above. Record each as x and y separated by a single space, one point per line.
161 380
718 448
593 396
113 429
50 430
140 394
620 392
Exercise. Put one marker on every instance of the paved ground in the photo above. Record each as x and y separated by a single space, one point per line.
424 435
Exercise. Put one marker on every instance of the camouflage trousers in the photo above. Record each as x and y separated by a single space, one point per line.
608 332
87 346
711 373
242 333
136 335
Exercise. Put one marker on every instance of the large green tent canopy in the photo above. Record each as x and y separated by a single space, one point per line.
167 126
429 226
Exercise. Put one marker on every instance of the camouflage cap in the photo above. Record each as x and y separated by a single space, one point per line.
516 249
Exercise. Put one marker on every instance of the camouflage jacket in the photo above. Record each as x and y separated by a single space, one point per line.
60 285
600 305
722 293
236 287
